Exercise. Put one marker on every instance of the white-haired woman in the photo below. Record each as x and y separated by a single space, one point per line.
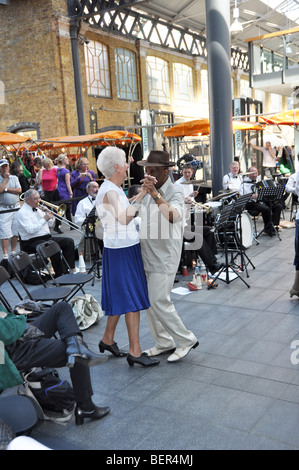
124 288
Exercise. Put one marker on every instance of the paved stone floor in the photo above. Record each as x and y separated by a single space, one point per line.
238 390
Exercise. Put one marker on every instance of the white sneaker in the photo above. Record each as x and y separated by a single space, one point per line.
179 353
157 351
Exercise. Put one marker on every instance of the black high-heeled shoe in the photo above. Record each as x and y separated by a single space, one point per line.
95 412
144 360
77 351
113 348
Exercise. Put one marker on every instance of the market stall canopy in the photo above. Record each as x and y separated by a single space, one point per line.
8 138
287 118
102 138
202 127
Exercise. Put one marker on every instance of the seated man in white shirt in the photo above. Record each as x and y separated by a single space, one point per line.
87 204
187 189
232 180
254 206
34 228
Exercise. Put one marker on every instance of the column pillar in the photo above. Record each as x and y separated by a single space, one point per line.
220 96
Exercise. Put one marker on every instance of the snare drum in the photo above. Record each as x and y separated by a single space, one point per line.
215 207
233 232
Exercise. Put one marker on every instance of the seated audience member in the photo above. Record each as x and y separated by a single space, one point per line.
253 206
33 227
187 189
46 351
232 180
10 190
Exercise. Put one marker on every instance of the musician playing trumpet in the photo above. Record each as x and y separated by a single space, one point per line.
34 223
254 207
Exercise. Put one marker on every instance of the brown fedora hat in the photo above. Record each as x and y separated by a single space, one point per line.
156 158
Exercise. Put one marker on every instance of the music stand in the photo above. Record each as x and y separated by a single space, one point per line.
224 223
270 195
94 247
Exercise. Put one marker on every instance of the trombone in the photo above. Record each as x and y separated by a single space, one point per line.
58 212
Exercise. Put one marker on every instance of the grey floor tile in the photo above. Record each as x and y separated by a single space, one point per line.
238 390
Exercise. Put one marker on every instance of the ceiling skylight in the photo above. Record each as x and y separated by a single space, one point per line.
289 8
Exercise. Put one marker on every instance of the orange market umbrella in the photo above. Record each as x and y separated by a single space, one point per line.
189 128
287 118
8 138
202 126
101 138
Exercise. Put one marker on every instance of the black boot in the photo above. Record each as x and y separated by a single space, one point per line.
89 410
77 351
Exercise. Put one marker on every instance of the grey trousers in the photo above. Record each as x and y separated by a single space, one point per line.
165 325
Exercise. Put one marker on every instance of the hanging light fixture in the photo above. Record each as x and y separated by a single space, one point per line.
288 47
236 26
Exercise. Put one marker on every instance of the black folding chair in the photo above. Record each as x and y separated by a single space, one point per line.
50 248
22 260
5 277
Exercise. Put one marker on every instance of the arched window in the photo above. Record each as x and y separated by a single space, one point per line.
126 78
157 80
97 69
183 83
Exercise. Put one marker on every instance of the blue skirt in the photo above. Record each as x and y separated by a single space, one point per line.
124 287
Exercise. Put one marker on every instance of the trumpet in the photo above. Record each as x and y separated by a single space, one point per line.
58 212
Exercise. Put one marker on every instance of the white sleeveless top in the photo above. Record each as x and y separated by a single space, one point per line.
115 234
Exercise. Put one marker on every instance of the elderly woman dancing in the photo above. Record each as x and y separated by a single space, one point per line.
124 288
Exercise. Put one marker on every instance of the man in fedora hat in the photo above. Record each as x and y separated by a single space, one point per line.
161 238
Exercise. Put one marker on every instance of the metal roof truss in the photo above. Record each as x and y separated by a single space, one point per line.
114 17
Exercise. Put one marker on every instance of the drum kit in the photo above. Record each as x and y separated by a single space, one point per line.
241 223
241 229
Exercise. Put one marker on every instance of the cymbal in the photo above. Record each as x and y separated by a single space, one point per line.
222 195
192 182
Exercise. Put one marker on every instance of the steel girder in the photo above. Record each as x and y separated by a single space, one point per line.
114 16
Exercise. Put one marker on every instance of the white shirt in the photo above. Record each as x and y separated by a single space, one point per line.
9 199
115 234
231 182
246 186
84 207
31 223
186 189
291 184
268 160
